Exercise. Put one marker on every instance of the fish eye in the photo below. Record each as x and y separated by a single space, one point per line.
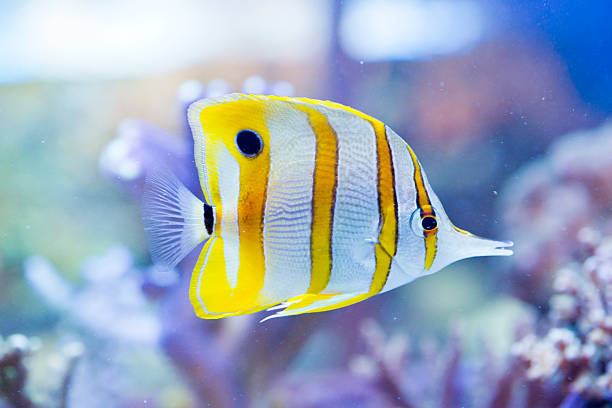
429 223
422 225
249 143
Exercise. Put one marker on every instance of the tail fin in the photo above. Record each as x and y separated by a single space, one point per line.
174 219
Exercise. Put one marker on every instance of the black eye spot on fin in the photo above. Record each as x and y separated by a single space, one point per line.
208 218
249 143
429 223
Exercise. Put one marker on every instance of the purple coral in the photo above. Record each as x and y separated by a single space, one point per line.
141 145
13 373
550 201
574 354
110 304
235 362
227 363
14 387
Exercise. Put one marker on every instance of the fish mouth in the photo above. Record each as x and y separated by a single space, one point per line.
501 247
479 246
487 247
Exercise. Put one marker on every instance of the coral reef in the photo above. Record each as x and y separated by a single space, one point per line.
550 200
14 376
572 357
13 373
204 351
108 316
510 130
379 372
109 304
564 359
395 372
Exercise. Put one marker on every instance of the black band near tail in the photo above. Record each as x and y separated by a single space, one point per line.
209 219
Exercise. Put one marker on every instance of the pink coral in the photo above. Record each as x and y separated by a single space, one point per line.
550 201
575 351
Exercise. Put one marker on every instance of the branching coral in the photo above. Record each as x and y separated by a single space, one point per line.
550 200
110 304
205 352
574 355
396 372
14 389
13 373
237 362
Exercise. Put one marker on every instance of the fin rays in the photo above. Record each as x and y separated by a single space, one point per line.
173 218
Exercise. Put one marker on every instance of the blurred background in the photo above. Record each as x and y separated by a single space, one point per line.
505 102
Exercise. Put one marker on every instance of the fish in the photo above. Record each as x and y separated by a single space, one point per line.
309 206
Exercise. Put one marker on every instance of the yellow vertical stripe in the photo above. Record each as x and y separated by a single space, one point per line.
387 238
251 209
220 125
422 197
431 240
323 199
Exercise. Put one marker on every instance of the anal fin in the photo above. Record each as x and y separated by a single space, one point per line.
311 303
